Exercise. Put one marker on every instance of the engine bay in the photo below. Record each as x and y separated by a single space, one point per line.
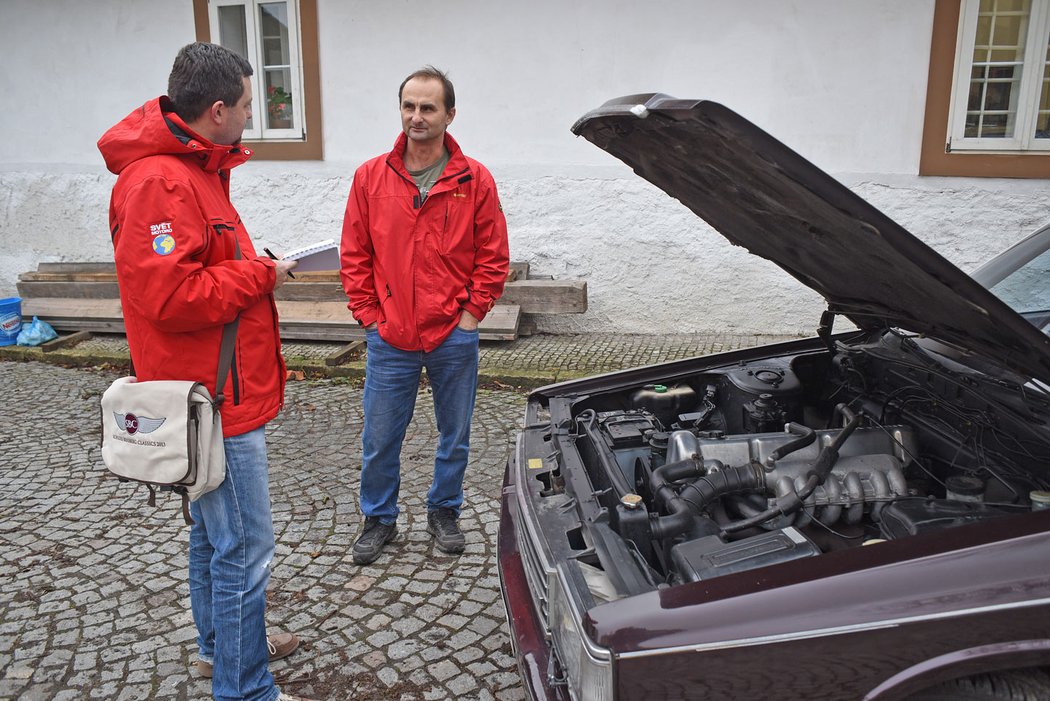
778 459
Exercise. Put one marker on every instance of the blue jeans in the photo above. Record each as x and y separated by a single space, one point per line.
391 384
231 546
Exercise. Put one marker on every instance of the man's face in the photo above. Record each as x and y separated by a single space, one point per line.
423 114
235 117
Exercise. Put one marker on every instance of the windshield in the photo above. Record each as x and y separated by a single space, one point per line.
1021 278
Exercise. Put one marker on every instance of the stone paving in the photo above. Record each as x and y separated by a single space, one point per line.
94 601
93 593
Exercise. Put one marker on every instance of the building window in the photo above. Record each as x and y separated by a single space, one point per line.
279 39
1001 98
988 96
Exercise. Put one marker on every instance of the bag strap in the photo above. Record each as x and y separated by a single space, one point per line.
229 342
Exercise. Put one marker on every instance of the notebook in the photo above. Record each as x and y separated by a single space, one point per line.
317 257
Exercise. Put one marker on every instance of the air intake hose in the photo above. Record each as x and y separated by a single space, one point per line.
712 483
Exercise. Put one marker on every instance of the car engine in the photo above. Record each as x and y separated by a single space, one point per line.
785 458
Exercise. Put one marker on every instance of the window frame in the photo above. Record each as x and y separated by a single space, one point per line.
284 144
936 156
1027 92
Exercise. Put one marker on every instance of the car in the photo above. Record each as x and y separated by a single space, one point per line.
863 514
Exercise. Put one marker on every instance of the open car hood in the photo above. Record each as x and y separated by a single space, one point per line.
763 196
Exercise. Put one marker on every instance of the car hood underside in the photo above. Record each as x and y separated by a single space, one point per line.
763 196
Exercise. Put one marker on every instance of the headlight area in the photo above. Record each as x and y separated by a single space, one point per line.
528 634
587 668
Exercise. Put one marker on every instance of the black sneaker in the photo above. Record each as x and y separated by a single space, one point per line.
441 523
374 535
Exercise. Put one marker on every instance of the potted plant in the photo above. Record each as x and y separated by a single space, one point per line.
279 107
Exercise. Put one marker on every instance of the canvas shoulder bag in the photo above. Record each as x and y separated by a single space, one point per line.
167 434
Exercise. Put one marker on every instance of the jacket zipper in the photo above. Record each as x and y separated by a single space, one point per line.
417 201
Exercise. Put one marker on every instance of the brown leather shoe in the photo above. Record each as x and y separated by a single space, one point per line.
280 646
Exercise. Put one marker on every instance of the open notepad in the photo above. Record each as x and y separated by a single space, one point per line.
320 256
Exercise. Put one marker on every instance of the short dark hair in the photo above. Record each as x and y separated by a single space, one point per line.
204 74
435 74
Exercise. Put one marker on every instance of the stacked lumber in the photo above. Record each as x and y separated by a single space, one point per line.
85 297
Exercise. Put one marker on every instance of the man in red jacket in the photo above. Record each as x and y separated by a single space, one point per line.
186 267
424 259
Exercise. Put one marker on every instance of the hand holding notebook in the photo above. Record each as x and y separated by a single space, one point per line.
317 257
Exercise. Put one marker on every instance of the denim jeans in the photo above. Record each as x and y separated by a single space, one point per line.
391 383
231 546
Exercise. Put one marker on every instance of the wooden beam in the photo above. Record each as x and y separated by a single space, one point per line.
306 321
65 341
547 296
350 350
533 296
81 267
75 289
518 271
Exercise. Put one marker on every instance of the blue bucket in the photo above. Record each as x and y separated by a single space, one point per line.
10 320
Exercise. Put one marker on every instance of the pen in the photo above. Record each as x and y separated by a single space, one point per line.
270 253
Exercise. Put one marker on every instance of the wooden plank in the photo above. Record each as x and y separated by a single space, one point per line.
305 321
519 270
533 296
316 276
77 267
65 341
501 323
46 307
73 289
350 350
310 291
547 296
106 272
68 277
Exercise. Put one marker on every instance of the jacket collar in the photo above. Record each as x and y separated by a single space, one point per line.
213 157
457 162
153 130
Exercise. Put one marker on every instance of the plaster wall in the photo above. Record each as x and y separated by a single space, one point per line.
815 74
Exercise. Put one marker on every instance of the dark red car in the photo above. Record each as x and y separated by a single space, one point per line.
863 515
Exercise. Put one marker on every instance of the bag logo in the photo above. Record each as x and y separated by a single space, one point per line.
131 424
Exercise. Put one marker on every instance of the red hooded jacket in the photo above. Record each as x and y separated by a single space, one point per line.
173 231
412 267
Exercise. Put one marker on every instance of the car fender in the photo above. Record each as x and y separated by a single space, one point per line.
962 663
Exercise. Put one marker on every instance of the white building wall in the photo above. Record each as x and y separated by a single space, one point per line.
842 82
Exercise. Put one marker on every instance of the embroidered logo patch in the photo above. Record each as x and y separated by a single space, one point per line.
163 244
131 424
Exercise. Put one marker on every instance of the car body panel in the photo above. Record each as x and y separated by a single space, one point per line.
783 600
844 620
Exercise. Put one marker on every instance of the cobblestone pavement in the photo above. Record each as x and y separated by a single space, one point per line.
93 593
572 356
93 596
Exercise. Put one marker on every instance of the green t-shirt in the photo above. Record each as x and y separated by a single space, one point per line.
426 177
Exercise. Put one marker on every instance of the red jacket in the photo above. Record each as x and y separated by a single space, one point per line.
413 268
173 233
